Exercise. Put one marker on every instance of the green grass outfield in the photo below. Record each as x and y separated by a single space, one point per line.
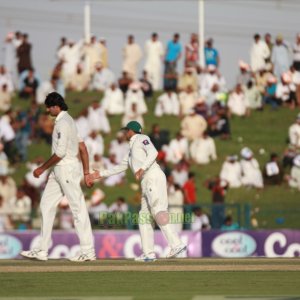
197 279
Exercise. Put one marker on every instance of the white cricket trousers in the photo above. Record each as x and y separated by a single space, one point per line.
155 200
65 180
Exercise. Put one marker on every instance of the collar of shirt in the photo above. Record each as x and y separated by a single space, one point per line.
60 115
133 138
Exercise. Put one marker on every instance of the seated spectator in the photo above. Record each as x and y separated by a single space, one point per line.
231 171
193 125
252 176
119 147
296 82
288 156
132 113
229 224
114 180
253 96
159 137
189 190
124 82
219 123
135 95
203 149
180 174
30 85
4 163
97 162
79 81
97 206
5 219
294 133
273 172
102 79
20 206
270 93
261 79
187 100
83 125
47 87
210 78
188 79
238 103
294 178
167 104
285 90
245 74
97 118
5 98
200 220
94 144
146 86
113 101
176 202
119 206
6 79
177 149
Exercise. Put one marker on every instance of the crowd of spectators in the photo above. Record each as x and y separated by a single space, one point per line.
199 97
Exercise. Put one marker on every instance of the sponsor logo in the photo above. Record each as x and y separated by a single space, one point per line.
275 244
234 244
10 246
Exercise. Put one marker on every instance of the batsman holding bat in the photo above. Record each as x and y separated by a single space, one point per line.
141 158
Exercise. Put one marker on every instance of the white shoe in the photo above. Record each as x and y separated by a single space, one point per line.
89 256
146 258
176 251
35 254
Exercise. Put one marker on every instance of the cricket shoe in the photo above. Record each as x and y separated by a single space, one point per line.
35 254
146 258
81 257
176 251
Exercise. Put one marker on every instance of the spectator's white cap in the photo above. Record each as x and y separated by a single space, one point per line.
211 68
246 153
243 65
296 161
97 196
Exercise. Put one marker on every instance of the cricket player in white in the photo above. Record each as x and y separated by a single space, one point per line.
64 180
141 158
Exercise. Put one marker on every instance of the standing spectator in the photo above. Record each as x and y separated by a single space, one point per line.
132 54
296 53
5 98
24 55
192 52
103 52
252 176
258 54
294 133
92 55
231 171
200 220
173 54
30 85
203 149
273 172
280 57
211 54
189 190
10 62
154 51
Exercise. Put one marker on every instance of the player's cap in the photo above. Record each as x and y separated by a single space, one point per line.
134 126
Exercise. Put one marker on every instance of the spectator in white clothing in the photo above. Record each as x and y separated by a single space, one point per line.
135 95
259 53
294 133
177 149
231 171
97 118
252 175
167 104
115 179
94 144
180 174
200 220
294 178
119 147
96 206
238 103
113 101
83 125
102 79
203 149
20 206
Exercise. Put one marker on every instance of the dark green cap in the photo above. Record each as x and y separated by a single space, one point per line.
134 126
